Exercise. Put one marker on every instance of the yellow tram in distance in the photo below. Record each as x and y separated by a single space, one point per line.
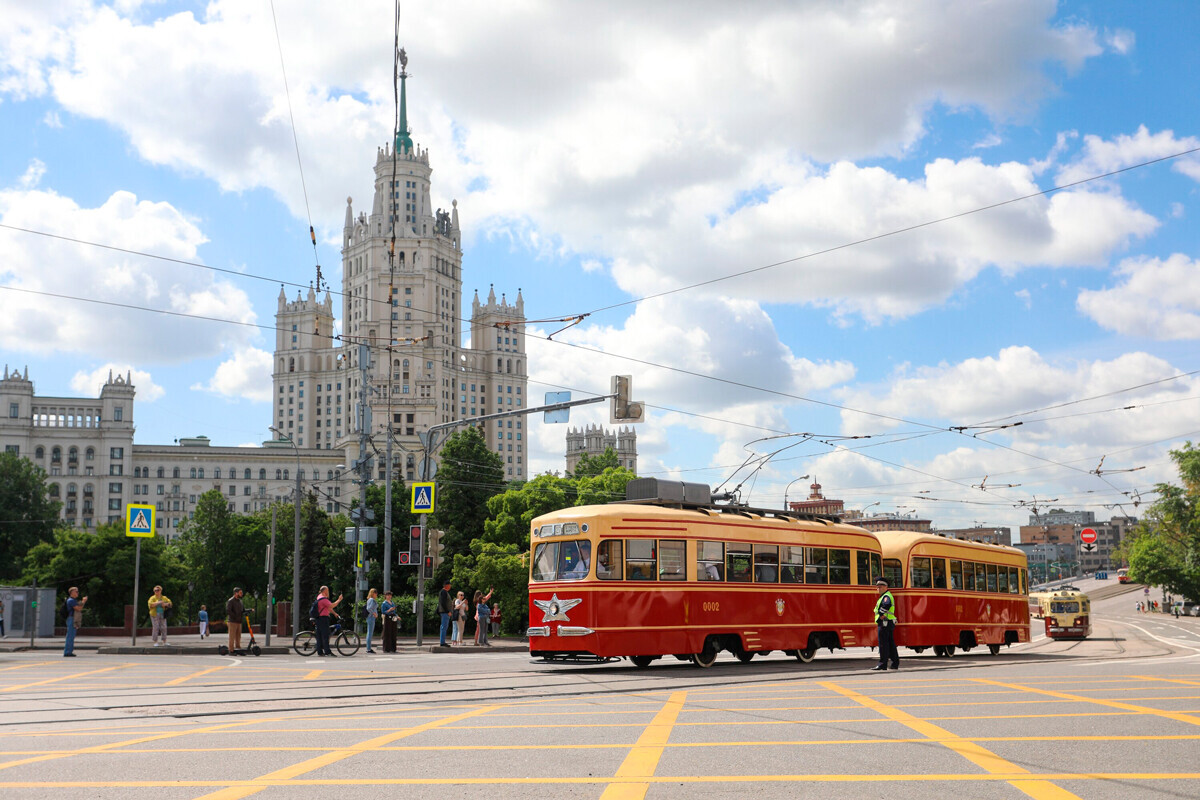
1067 613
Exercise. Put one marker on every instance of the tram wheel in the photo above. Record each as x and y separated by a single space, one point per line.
806 655
745 656
994 649
641 662
705 658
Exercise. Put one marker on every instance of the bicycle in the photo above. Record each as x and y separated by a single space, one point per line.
347 642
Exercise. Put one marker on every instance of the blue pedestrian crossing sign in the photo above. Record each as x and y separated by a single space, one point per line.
139 520
422 498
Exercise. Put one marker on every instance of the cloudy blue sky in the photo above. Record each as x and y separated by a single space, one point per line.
785 157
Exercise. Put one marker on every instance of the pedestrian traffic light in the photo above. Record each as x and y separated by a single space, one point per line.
428 569
622 409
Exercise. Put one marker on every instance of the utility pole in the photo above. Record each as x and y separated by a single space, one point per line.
271 577
364 468
387 507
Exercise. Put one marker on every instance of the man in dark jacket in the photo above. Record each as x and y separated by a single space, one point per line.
234 610
445 606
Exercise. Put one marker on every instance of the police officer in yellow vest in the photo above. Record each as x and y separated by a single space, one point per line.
885 624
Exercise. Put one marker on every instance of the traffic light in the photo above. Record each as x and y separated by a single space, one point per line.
622 409
414 544
436 546
428 568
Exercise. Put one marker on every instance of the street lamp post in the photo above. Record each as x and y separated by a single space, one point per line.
789 486
296 542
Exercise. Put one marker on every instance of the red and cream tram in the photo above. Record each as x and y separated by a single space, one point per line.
672 574
955 594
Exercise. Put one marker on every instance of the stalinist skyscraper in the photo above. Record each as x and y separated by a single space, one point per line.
407 310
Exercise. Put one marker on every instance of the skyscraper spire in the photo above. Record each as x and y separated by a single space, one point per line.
404 142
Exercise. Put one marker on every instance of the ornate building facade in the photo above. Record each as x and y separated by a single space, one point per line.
402 320
595 439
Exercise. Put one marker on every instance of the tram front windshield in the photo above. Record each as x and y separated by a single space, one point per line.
1064 607
562 561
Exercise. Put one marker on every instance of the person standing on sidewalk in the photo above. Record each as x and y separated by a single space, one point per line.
388 610
483 616
324 609
460 619
372 616
203 621
158 603
234 611
445 606
481 624
74 616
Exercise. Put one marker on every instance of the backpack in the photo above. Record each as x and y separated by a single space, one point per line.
66 611
314 609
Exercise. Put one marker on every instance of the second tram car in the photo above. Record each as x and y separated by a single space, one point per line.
953 594
680 576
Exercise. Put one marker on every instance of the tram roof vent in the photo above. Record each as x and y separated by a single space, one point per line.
668 491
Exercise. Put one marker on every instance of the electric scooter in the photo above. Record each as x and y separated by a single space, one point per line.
252 650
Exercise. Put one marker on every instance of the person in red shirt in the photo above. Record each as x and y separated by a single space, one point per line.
324 609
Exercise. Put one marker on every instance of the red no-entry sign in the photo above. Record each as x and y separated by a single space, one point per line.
1088 536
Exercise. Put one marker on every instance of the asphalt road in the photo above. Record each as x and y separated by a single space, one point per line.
1116 716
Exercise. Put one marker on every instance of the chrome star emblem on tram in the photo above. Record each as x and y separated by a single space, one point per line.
555 610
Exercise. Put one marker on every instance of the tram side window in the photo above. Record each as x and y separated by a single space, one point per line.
839 567
672 556
862 567
816 565
1024 582
991 577
894 572
738 567
939 573
791 564
609 564
1014 587
968 575
574 560
641 559
980 577
766 563
710 561
956 576
919 577
876 567
1002 580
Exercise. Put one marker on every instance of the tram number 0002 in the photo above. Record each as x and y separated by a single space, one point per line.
711 606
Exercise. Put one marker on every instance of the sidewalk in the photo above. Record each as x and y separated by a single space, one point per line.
192 645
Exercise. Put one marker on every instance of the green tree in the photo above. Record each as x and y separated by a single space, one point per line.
222 550
27 514
1164 550
510 513
101 564
589 466
468 474
605 487
499 566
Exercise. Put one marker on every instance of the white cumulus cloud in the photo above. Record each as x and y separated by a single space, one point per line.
1156 299
246 375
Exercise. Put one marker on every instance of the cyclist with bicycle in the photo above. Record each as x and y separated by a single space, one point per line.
324 609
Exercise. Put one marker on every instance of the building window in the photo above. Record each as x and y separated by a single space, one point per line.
118 414
14 410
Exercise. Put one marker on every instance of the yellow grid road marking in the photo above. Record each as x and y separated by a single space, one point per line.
27 666
312 676
263 783
981 757
66 677
627 745
1158 712
239 789
643 758
1168 680
187 678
